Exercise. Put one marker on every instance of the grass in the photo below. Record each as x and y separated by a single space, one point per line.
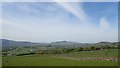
98 53
51 61
0 61
55 60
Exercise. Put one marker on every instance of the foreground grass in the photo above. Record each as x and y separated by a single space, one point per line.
0 61
52 61
56 60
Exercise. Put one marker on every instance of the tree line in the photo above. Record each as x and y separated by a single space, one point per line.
60 50
68 50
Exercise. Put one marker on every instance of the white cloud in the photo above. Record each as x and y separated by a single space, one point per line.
78 12
70 7
104 24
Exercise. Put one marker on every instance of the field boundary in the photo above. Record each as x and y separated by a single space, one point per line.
115 59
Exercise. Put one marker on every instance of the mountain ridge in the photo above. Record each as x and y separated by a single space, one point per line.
10 43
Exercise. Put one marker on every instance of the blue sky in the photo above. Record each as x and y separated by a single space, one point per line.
56 21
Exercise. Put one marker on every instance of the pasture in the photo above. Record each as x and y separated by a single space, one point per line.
85 58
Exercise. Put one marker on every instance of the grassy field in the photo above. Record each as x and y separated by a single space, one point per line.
96 53
63 59
0 60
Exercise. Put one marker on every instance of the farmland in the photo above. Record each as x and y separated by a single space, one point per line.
60 53
104 57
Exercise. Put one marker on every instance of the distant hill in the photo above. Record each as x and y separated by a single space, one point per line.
11 43
106 43
68 43
63 43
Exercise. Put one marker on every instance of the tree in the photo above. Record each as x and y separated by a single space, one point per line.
92 48
107 47
80 49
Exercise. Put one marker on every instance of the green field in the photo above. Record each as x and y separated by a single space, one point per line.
0 61
69 59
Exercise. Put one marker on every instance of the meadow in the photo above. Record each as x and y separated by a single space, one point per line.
105 57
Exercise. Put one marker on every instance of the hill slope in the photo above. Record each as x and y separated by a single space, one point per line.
11 43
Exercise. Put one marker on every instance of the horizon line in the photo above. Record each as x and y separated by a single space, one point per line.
55 41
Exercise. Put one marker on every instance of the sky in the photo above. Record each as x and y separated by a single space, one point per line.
57 21
60 0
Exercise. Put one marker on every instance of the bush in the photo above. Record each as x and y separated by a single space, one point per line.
25 54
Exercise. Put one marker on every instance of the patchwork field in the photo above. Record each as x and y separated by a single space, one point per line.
106 57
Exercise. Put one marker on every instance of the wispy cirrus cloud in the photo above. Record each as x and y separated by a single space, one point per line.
73 8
